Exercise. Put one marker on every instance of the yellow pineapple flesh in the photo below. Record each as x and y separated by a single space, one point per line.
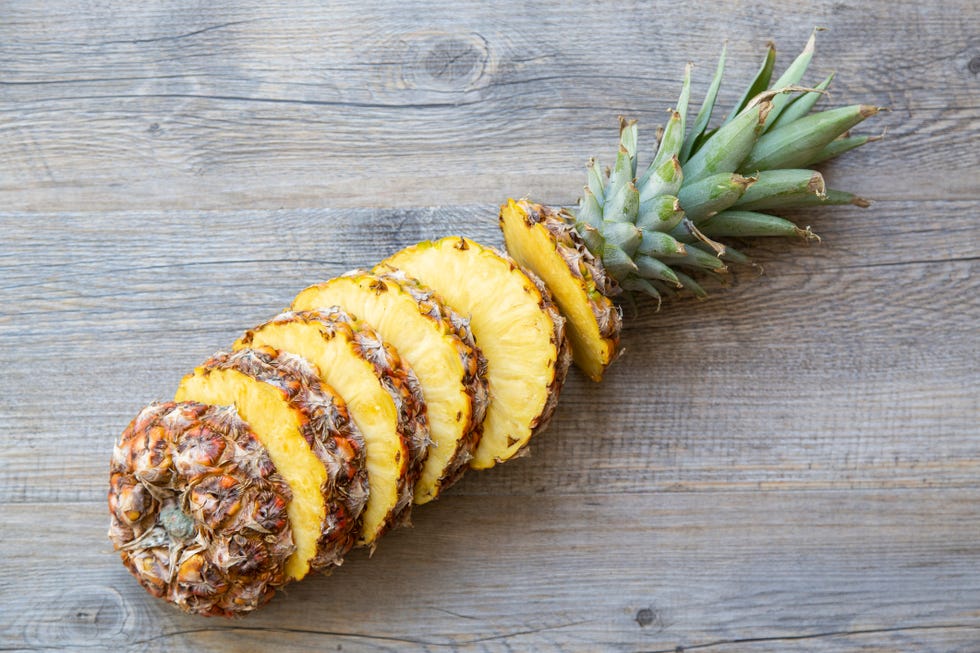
381 393
309 437
437 347
516 326
541 241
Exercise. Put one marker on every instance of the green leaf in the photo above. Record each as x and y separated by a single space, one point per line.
656 243
838 146
597 182
704 114
729 146
650 268
661 213
758 85
747 224
796 144
778 189
801 105
791 77
704 198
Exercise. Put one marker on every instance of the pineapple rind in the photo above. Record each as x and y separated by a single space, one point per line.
310 438
227 553
432 340
542 241
517 327
381 394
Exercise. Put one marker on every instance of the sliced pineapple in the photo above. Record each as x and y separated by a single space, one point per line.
310 439
516 326
438 347
542 241
381 393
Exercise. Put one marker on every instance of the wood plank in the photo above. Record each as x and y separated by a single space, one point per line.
772 383
716 571
291 105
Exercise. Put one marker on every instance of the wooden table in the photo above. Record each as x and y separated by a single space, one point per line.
793 464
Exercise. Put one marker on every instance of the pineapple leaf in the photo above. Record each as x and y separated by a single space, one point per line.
728 147
758 85
693 140
791 77
782 189
801 104
796 144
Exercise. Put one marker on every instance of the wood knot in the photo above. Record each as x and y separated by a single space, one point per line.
974 65
444 61
647 617
644 617
79 617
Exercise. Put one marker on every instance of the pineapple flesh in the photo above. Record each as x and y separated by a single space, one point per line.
381 393
310 439
540 239
437 345
516 327
198 511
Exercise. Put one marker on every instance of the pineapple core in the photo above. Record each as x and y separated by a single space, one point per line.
276 426
370 406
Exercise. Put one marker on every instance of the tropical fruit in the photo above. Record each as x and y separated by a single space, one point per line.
647 231
516 326
437 344
380 391
198 510
310 438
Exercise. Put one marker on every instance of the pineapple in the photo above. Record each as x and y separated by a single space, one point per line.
487 345
515 325
438 346
310 439
381 392
198 510
541 239
642 233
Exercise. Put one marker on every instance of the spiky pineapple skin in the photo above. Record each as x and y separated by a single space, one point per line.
359 345
224 552
327 429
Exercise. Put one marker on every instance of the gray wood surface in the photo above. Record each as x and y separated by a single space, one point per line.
793 464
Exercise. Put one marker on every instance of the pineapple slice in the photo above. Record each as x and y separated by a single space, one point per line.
381 393
309 437
515 325
438 347
541 241
198 510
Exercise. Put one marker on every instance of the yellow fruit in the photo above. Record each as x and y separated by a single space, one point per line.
438 347
516 327
542 241
309 437
381 393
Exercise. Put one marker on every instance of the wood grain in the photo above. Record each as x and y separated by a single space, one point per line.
571 573
157 106
790 465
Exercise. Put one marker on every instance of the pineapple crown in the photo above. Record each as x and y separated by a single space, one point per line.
706 184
